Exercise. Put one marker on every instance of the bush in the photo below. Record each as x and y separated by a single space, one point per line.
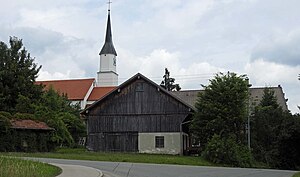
6 114
24 116
4 133
4 124
227 151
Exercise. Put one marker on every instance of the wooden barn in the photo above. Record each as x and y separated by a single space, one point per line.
138 116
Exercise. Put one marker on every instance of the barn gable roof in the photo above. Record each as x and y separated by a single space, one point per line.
128 82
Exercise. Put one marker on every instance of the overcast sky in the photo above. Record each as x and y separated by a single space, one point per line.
194 39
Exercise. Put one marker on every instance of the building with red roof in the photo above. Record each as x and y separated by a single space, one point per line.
77 90
99 92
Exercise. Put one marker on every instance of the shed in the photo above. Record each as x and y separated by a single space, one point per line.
30 136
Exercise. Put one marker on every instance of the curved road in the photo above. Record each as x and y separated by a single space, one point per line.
122 169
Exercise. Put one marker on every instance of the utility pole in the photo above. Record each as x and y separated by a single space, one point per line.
248 115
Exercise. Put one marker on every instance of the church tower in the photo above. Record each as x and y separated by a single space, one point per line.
107 74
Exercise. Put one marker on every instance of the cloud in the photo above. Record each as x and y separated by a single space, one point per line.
194 39
265 73
45 75
189 76
69 56
284 49
70 21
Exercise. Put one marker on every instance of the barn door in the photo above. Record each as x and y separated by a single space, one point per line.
121 141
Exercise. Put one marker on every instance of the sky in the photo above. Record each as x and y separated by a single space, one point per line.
194 39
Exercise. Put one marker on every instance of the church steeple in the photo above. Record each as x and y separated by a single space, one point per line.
107 74
108 47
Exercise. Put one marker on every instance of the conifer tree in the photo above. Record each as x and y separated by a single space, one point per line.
17 75
169 83
266 121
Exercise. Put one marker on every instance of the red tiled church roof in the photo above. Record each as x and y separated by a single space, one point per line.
99 92
29 124
75 89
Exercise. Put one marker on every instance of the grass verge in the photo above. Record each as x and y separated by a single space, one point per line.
14 167
82 154
296 174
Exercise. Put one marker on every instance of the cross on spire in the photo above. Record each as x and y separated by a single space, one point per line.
109 2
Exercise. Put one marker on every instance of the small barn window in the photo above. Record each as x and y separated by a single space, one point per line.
159 141
139 87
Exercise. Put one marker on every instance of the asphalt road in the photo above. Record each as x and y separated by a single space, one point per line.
116 169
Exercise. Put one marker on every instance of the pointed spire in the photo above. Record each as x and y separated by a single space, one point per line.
108 47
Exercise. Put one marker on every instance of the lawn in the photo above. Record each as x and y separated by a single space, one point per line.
14 167
82 154
296 174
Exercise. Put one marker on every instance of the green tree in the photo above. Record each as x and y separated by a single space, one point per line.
169 83
20 96
222 108
58 112
266 122
24 105
289 143
275 134
17 75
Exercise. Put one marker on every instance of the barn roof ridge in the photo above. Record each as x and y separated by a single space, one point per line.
133 78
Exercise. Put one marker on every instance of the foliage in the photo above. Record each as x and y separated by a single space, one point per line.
227 151
289 144
4 124
169 83
6 114
20 96
14 167
24 116
58 113
266 121
4 131
275 134
222 108
24 105
296 174
17 75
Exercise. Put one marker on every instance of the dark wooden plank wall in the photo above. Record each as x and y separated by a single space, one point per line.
114 141
130 101
138 107
139 123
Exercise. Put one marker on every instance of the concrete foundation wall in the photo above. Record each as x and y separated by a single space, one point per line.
172 144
